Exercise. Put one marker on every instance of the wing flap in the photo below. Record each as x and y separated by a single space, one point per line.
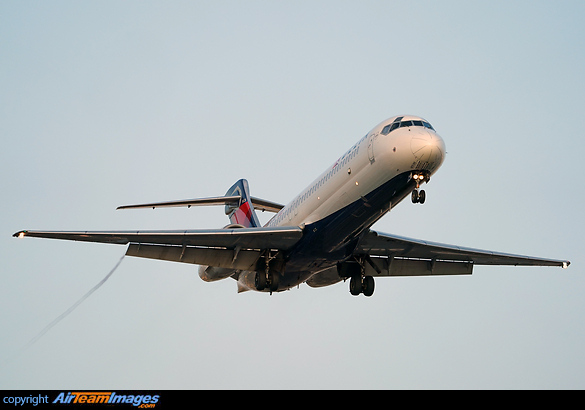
221 258
383 244
416 267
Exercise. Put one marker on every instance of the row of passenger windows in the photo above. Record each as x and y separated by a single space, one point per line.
399 124
348 156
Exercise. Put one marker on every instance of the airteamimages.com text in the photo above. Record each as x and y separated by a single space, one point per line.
82 397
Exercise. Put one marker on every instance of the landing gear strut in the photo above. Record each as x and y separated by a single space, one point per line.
269 277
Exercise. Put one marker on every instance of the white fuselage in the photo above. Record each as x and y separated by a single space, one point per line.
371 162
338 207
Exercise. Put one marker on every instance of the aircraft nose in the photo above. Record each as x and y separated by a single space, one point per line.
428 148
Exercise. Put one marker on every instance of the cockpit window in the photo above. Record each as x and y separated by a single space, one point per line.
399 124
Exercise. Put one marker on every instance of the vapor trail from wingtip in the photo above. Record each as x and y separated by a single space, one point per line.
74 306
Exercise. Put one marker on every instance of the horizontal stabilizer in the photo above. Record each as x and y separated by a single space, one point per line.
217 200
264 205
259 204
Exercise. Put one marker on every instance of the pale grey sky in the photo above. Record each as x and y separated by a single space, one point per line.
108 103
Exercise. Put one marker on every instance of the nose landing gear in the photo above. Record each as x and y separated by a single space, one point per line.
419 197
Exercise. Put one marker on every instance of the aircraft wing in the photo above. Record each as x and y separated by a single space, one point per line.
394 246
224 248
282 238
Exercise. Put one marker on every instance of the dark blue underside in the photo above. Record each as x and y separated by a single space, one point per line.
335 237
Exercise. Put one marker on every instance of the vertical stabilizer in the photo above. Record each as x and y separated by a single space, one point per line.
243 213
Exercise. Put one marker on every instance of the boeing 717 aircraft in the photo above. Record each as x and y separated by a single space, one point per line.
322 236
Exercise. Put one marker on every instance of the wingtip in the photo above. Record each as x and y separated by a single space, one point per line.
19 234
125 207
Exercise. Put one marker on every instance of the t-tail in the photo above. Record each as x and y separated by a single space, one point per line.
240 207
243 212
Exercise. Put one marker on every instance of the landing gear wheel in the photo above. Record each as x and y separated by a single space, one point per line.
358 285
273 281
260 281
355 285
418 197
414 197
368 286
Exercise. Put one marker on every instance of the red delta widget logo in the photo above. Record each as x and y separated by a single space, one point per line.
138 400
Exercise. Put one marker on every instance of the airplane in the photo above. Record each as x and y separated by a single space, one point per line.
322 236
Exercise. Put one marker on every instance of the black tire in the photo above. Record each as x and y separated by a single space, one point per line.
273 281
414 196
422 196
260 281
368 286
355 285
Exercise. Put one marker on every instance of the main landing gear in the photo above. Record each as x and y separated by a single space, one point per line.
419 197
359 284
270 276
264 280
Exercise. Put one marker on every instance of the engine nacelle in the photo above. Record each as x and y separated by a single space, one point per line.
246 281
233 226
325 278
212 274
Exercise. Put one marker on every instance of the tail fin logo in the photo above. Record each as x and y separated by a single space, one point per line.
243 213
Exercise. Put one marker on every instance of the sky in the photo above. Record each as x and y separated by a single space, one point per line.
110 103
